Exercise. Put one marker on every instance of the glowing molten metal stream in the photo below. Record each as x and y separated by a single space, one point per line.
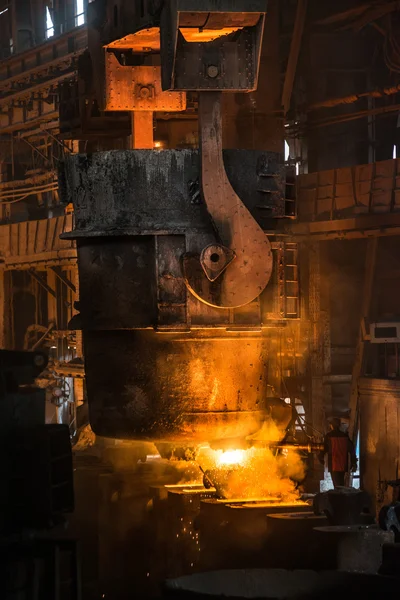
231 457
254 473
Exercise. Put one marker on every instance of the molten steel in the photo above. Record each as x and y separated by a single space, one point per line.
231 457
258 472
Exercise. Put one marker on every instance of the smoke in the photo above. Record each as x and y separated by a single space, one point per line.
258 472
86 440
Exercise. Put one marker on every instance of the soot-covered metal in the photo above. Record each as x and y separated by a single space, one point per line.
160 364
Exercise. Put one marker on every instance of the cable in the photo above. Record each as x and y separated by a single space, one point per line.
29 186
20 198
15 197
21 192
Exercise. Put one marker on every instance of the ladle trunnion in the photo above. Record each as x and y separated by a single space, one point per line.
174 260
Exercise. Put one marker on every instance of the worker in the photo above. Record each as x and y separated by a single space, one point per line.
339 447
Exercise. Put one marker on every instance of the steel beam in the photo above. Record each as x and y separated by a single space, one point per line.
21 78
64 278
14 125
317 393
372 225
24 74
43 55
42 282
142 130
370 261
294 54
43 85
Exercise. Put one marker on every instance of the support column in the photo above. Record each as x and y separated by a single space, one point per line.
51 301
317 346
370 261
2 310
253 121
142 130
78 334
51 279
6 311
316 356
327 368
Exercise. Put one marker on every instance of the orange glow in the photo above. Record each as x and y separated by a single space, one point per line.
258 472
254 473
145 40
231 457
195 34
148 40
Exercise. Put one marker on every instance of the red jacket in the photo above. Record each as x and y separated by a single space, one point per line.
339 447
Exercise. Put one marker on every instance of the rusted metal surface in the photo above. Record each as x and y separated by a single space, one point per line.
223 63
245 274
379 401
214 259
111 190
220 20
138 88
142 135
156 366
145 40
193 387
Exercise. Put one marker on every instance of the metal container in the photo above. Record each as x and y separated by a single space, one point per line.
276 584
356 548
192 386
234 533
159 363
294 543
183 506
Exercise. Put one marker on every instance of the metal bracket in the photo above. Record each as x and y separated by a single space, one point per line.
214 46
214 259
45 286
137 88
244 264
42 282
64 278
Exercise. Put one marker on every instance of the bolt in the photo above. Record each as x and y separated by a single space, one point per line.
144 92
212 71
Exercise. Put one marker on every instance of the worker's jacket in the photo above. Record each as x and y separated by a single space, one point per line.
339 447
